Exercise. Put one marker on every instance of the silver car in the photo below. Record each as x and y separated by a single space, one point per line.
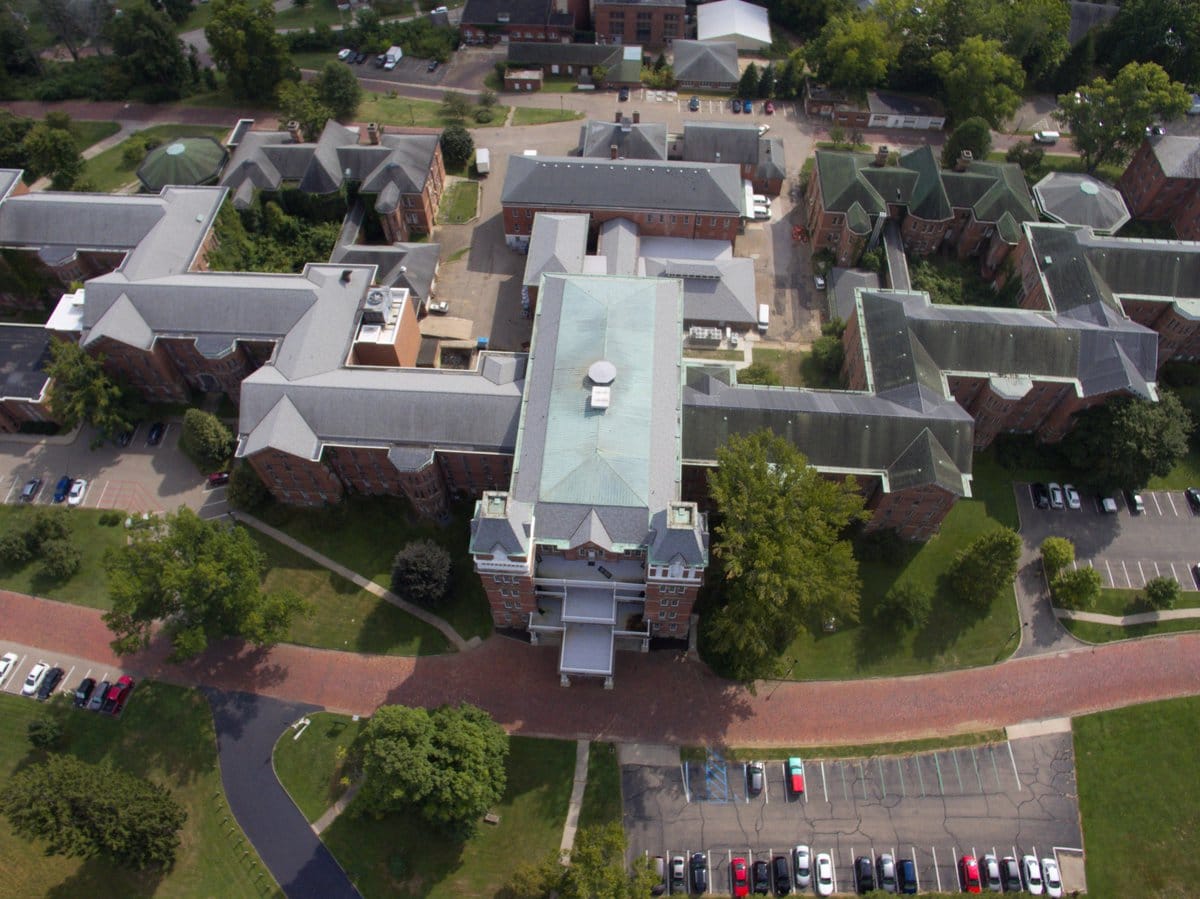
802 862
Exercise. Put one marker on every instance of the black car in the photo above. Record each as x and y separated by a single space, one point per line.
864 874
30 490
761 878
360 58
155 436
380 60
699 871
49 682
782 872
433 66
906 876
1041 496
1010 875
1193 498
125 437
98 695
84 691
623 94
755 776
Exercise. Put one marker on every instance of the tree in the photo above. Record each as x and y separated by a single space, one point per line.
1026 155
205 438
783 557
455 105
1166 32
202 579
1076 589
1161 593
1108 120
1127 441
758 373
979 79
339 90
748 85
790 83
52 152
176 10
828 354
1035 34
457 146
420 572
986 567
1057 554
148 50
94 811
246 490
244 45
45 732
766 82
81 391
973 134
854 51
597 868
75 22
488 98
448 764
298 102
905 605
60 559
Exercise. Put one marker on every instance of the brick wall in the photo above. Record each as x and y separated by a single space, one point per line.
296 481
651 27
151 372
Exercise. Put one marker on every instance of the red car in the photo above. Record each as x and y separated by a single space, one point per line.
769 108
741 877
968 872
795 775
118 693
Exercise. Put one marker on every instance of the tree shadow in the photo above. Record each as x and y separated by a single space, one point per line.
101 877
949 618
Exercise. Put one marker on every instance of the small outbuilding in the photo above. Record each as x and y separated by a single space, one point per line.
734 20
1075 199
189 161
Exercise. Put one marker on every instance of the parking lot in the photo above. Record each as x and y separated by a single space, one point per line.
1127 549
1008 798
74 670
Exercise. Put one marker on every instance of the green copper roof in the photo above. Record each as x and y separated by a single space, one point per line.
188 161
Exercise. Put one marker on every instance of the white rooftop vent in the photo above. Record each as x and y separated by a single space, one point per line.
602 372
601 397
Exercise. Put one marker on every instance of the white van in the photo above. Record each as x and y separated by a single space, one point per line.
1046 137
764 317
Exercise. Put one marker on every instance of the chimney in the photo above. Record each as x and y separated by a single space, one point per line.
612 151
293 129
965 158
617 118
881 156
373 133
717 156
637 118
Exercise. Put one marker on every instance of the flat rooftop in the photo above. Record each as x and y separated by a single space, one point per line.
24 354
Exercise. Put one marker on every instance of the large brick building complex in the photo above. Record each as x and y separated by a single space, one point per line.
1162 183
652 24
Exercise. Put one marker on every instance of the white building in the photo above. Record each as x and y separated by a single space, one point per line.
733 20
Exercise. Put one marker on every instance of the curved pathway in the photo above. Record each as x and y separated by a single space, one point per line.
658 697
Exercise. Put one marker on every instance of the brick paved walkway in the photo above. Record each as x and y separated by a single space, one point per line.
659 697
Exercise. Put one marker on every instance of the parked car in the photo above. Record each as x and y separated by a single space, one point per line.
380 60
1031 873
885 871
824 874
906 876
119 693
740 877
748 106
761 213
818 282
795 775
361 57
737 105
78 489
439 308
864 874
1072 496
1136 504
125 437
1155 130
30 491
781 874
989 872
98 695
1057 500
968 874
345 53
1052 878
1041 496
802 862
218 479
433 66
62 488
33 679
7 661
84 692
762 878
699 871
694 104
155 435
754 778
678 874
763 129
769 108
1107 505
49 682
1193 498
623 94
1010 874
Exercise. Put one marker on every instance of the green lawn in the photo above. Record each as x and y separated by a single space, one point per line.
850 750
108 171
88 587
529 115
1106 633
364 534
317 12
695 352
309 766
785 363
166 734
1054 162
460 203
1136 771
416 113
344 616
398 855
955 636
602 796
1125 602
88 133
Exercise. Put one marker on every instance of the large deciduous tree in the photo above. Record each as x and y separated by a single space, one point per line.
1127 441
94 811
782 551
339 90
1108 119
148 50
1057 554
980 79
52 152
447 765
81 391
985 568
457 146
206 438
854 51
597 868
201 579
421 571
974 134
1076 589
1166 32
245 46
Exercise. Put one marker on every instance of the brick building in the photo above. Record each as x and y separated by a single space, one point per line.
501 21
622 64
653 24
759 157
874 110
1162 183
24 385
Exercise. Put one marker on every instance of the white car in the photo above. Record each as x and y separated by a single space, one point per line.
763 129
6 664
802 862
989 873
760 200
825 874
1072 497
34 680
78 488
1052 878
762 213
1031 873
1056 497
345 53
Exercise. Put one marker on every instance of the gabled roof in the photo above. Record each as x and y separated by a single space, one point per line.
1178 156
557 244
713 63
640 141
411 265
545 53
717 142
500 522
720 19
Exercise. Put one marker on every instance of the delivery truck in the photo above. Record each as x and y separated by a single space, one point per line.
483 161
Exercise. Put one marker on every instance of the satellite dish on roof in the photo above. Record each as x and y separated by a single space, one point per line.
602 372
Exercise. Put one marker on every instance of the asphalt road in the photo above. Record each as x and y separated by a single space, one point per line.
247 728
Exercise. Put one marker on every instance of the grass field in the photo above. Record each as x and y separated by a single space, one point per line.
108 170
364 533
88 586
1136 771
850 750
695 352
416 113
785 363
309 766
1125 602
528 115
602 795
166 734
398 855
88 133
460 203
1106 633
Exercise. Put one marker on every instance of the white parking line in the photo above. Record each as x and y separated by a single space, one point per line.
957 873
1158 508
916 869
1108 568
766 787
9 497
1013 759
1142 573
1171 500
1124 568
66 680
103 490
13 678
834 867
936 872
824 789
683 773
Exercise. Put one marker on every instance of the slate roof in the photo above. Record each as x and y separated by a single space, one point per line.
1178 156
640 141
714 141
712 63
566 182
411 265
557 244
24 354
501 522
676 539
1076 199
547 53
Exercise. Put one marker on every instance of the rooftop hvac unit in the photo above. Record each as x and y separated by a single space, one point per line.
375 308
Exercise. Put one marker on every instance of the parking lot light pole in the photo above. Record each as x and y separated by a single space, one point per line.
787 674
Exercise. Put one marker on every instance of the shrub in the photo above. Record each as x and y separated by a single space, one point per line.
246 490
205 438
1057 554
420 572
758 373
1077 589
44 733
483 116
1161 593
905 605
59 560
14 549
